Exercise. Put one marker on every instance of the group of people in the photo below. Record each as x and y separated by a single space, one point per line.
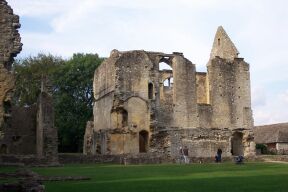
218 158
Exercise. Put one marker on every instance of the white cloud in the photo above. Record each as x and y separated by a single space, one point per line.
42 8
274 110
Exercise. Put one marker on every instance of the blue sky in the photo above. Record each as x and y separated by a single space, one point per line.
258 28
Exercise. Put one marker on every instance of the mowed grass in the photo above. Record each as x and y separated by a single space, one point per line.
166 178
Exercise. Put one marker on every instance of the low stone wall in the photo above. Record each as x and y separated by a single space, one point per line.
21 160
68 158
148 158
283 158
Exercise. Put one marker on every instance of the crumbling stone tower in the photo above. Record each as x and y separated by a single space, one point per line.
141 108
10 46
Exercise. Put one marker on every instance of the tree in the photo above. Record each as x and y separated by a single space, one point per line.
74 99
28 73
72 82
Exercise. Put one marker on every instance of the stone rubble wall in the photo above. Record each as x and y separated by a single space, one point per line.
10 46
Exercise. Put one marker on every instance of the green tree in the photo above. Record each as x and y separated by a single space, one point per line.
72 82
28 73
74 99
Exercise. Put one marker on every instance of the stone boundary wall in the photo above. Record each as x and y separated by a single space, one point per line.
77 158
21 160
138 159
283 158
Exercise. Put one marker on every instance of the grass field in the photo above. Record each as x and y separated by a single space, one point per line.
166 178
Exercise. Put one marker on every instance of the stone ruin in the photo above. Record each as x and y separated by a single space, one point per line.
140 108
23 130
10 46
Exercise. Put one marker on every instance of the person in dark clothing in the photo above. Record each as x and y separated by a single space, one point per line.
239 159
218 157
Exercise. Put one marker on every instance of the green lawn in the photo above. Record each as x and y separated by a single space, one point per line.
176 178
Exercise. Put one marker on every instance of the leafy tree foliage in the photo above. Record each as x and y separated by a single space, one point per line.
28 73
72 92
74 99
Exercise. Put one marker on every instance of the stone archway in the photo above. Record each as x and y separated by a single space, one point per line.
143 141
3 149
237 144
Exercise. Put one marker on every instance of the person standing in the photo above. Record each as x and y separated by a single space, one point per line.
181 153
186 154
219 155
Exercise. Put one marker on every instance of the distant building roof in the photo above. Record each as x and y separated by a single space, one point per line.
275 133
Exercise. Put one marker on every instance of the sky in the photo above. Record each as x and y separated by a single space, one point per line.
258 28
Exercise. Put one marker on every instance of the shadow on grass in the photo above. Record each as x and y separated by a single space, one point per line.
176 178
235 184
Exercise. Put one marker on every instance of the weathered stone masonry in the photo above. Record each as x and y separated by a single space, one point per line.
10 46
23 130
136 112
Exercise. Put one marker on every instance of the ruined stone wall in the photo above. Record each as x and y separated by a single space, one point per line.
202 88
165 106
201 142
46 132
223 47
6 88
221 81
134 68
103 88
10 38
230 93
102 112
88 145
104 78
204 111
10 46
20 135
132 102
184 93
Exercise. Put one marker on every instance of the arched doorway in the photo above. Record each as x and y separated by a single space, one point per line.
143 141
237 144
3 149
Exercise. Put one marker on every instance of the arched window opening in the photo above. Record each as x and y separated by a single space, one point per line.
168 82
143 141
219 42
124 115
150 90
237 144
164 66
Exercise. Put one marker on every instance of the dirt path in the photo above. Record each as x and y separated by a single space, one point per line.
268 161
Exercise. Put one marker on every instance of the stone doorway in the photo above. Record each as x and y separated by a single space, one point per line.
143 141
3 149
237 144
